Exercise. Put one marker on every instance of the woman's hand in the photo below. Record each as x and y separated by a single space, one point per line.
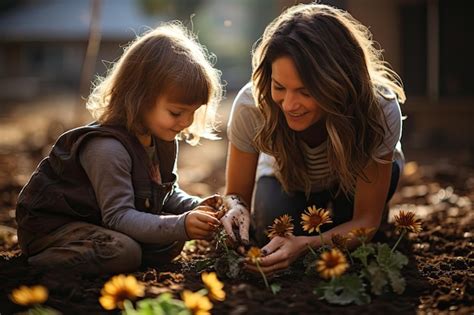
279 253
201 223
237 215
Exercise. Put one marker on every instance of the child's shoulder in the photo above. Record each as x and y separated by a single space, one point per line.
104 146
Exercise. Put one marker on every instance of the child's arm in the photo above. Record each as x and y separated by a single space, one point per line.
180 202
108 166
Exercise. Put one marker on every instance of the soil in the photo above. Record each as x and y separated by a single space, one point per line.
439 276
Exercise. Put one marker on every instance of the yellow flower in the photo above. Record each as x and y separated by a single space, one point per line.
361 233
332 264
407 221
254 253
214 286
29 295
118 289
313 218
197 303
281 226
339 241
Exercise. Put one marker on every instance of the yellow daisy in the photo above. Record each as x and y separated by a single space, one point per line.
361 233
281 226
118 289
197 303
407 221
28 296
254 253
332 264
339 241
313 218
214 286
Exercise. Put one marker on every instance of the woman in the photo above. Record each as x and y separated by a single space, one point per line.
319 124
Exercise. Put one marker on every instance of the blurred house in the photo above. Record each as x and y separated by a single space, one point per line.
43 43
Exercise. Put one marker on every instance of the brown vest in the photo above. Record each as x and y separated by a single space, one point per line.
60 192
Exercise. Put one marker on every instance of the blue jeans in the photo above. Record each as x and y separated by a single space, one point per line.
271 201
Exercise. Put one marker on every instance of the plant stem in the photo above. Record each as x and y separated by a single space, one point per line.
349 254
263 275
312 251
321 236
398 241
225 246
222 237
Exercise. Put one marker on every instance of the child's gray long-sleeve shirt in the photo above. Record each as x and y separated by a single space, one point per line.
109 166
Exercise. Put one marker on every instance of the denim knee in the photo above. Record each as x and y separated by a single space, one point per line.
270 202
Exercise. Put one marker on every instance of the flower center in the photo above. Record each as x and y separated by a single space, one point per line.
315 220
332 262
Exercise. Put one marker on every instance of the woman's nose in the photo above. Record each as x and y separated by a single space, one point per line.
289 102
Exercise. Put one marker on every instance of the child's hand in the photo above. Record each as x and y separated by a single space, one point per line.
215 205
200 223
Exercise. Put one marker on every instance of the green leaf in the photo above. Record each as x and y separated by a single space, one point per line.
363 252
320 289
392 263
202 264
344 290
229 265
164 304
396 281
385 269
275 287
42 310
386 258
377 278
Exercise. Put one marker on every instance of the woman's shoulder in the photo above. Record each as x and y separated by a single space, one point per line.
244 100
244 107
244 120
389 103
244 96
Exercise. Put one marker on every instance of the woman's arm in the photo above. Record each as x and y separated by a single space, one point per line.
369 203
240 173
240 180
370 197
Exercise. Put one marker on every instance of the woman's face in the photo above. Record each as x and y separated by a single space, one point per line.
300 109
166 119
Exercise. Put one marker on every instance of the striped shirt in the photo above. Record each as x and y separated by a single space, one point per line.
245 120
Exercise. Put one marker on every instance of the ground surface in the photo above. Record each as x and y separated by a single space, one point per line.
440 274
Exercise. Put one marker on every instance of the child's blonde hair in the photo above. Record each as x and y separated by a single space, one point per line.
165 60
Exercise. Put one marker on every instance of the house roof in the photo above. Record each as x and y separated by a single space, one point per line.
47 20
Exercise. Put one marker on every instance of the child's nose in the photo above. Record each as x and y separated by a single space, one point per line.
187 121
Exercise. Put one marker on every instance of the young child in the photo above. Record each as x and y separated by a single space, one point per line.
319 124
106 198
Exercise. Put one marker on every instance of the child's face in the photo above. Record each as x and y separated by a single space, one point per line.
166 119
300 109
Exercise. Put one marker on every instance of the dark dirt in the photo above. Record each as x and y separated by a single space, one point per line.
440 273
